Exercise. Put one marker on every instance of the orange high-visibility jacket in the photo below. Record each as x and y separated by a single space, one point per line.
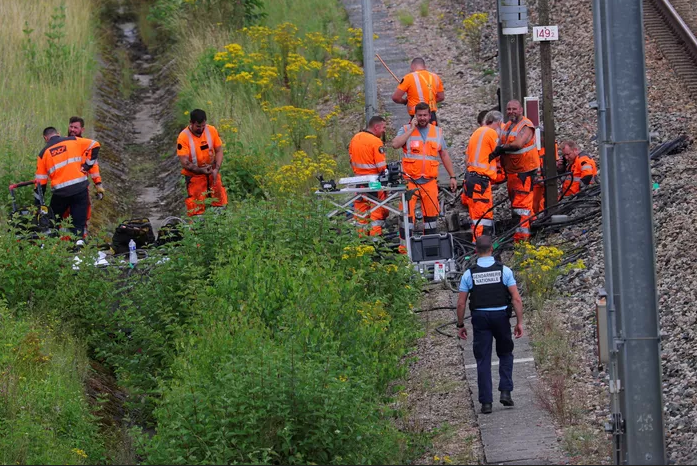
199 149
421 159
421 86
61 161
541 152
524 159
94 171
482 143
95 174
367 154
582 167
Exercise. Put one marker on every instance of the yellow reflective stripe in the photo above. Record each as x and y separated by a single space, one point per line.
364 165
192 148
62 164
419 92
421 157
523 150
70 183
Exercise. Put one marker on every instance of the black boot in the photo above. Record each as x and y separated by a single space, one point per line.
506 399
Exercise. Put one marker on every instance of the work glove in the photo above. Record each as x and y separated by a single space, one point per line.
496 152
100 191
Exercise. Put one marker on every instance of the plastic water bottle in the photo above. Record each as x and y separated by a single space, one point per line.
132 256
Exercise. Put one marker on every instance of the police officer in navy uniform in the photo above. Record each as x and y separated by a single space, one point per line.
492 290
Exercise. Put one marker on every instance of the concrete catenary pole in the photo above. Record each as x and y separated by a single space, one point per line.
629 220
371 88
550 161
512 27
605 150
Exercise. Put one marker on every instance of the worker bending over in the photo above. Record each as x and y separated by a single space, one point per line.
582 167
420 86
367 154
520 161
481 174
200 152
65 161
422 143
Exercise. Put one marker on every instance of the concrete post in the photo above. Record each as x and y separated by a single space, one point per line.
630 224
371 89
550 160
512 27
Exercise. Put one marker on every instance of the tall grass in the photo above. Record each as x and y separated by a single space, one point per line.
219 99
29 103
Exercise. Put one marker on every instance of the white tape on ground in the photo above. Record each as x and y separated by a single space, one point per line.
496 363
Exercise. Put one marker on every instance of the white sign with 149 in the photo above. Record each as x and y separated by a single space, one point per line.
542 33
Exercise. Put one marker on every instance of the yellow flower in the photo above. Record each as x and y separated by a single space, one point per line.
186 112
80 453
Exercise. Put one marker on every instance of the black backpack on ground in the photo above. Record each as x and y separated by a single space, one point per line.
136 229
170 232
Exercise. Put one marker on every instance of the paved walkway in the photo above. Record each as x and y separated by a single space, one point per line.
523 434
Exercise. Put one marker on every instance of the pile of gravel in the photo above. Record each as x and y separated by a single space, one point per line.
470 87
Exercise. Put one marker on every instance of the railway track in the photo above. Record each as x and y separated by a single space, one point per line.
675 39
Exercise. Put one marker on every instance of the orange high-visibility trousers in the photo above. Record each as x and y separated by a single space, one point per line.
198 188
376 218
427 195
480 203
520 187
538 198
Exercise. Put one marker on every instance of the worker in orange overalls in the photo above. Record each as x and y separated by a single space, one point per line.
481 174
520 160
538 190
76 127
422 143
420 85
582 167
65 161
200 152
367 155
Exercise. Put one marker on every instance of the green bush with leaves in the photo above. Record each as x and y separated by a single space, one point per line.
44 414
471 32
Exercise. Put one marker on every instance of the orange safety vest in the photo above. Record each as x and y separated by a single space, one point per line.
525 159
367 154
420 158
582 167
422 80
61 161
482 143
197 156
541 152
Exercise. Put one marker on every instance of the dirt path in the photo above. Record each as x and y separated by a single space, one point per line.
132 112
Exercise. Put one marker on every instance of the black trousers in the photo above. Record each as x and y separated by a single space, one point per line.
78 204
488 326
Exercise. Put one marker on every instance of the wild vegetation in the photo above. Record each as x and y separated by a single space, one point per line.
269 334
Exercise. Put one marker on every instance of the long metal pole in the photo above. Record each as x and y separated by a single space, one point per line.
631 226
371 88
599 25
550 161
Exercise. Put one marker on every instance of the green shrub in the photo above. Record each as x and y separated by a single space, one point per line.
405 18
44 414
